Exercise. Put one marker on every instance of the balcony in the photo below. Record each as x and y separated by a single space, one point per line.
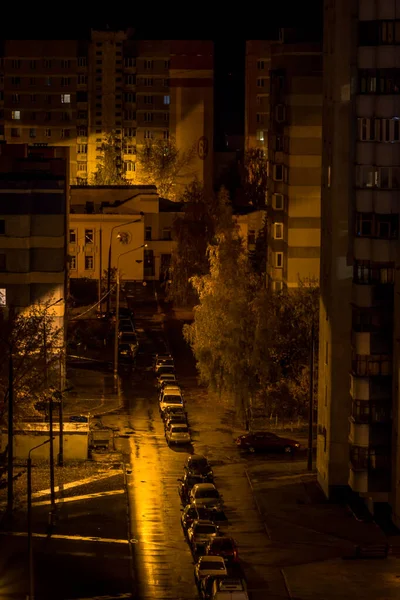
359 433
358 479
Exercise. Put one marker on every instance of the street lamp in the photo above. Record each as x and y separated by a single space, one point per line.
29 494
109 255
51 457
117 310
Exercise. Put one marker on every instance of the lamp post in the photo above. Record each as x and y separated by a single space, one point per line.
311 402
109 254
117 311
51 438
29 499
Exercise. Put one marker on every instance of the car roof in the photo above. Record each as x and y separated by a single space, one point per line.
196 457
212 558
174 425
206 486
203 522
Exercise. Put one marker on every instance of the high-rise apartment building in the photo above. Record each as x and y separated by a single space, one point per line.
72 93
358 412
284 120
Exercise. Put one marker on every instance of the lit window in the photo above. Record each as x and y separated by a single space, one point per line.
278 231
16 115
167 99
260 135
89 263
65 98
279 260
15 132
72 236
72 263
82 167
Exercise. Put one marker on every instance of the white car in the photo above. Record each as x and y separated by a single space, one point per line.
206 494
171 398
209 565
178 433
163 361
169 388
229 589
200 533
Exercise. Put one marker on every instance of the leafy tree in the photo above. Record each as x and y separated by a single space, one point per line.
36 344
162 164
109 169
202 218
258 256
254 177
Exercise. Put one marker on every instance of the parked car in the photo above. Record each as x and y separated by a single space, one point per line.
265 441
166 369
223 546
178 434
125 325
206 494
128 337
126 313
192 513
164 379
209 565
200 533
173 409
171 399
163 361
169 388
127 352
206 585
229 589
185 486
197 464
176 419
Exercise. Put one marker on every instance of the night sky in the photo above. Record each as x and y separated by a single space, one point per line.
228 30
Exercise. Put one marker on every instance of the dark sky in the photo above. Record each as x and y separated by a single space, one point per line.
228 29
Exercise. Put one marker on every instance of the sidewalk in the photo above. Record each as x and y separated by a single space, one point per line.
86 553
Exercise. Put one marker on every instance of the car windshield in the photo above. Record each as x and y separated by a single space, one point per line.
205 529
212 566
222 544
200 463
182 429
173 399
207 494
167 369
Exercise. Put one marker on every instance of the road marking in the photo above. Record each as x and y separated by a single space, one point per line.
71 538
72 484
76 498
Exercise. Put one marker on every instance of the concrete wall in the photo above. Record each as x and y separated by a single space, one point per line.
76 445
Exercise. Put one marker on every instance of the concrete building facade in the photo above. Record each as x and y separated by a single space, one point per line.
358 412
34 207
74 92
284 120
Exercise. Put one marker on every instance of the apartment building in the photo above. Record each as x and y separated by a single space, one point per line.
34 206
284 120
358 413
74 92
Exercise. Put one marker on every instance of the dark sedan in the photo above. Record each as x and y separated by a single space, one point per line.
197 464
225 547
265 441
192 513
186 484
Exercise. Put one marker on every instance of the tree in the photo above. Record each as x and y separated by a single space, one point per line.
254 177
203 217
258 256
162 164
36 344
109 169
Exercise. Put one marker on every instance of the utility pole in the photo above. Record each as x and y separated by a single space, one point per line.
29 500
311 402
116 333
51 439
100 267
10 473
61 435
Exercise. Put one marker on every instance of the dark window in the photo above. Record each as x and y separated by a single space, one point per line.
2 262
148 263
81 96
2 227
368 33
148 233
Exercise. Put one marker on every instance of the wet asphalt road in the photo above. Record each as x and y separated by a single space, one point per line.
163 563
